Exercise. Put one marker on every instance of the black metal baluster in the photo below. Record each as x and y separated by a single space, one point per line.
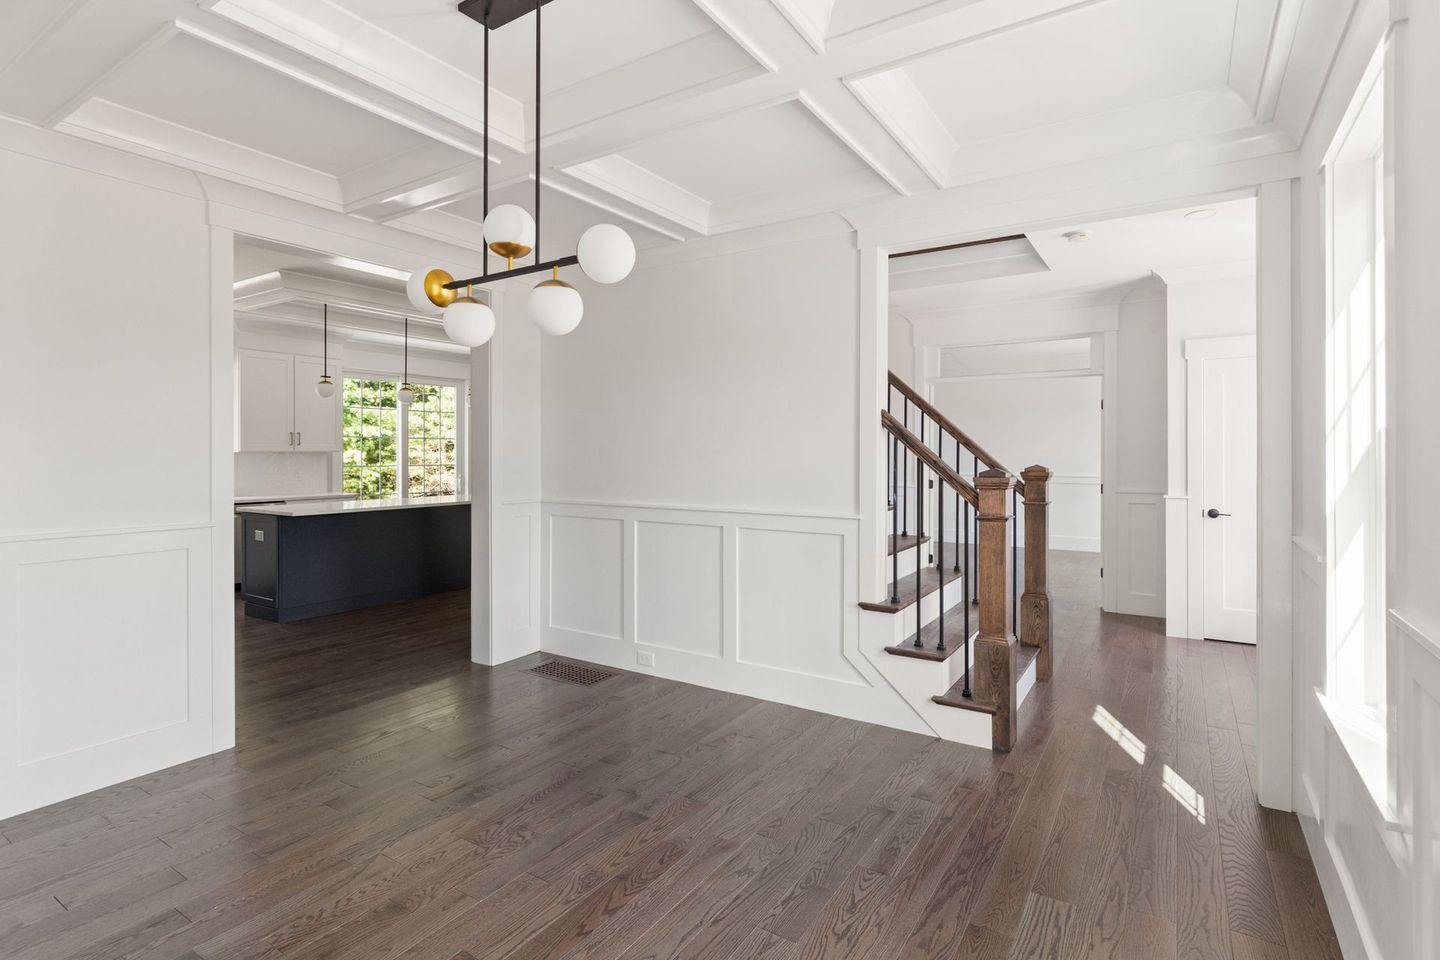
919 535
939 569
958 521
894 520
904 473
920 495
964 590
975 476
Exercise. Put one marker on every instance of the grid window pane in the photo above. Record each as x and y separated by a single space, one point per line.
370 454
432 424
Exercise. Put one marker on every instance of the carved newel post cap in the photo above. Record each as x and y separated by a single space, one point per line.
1036 472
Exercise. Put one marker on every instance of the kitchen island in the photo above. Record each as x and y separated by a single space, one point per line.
313 558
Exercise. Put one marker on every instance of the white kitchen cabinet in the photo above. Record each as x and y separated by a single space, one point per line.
276 409
264 402
317 421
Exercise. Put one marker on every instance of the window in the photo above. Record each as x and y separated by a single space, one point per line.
433 441
372 438
1355 408
387 452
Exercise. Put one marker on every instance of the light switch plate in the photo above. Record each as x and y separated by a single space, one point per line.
260 535
645 658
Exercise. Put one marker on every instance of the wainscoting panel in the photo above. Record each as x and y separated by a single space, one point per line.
111 687
759 604
789 619
1140 572
586 559
680 587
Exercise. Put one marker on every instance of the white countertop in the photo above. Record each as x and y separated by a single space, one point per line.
317 508
294 497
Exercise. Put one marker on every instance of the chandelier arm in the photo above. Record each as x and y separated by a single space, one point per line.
481 281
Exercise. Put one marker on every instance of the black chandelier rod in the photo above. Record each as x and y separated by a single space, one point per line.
538 4
485 175
481 281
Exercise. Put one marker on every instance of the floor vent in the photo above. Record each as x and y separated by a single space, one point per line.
571 672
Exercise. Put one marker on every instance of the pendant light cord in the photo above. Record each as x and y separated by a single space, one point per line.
405 372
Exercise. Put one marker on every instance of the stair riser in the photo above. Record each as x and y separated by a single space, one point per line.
928 609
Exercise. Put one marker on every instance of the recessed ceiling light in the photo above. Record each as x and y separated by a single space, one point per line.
1076 236
1202 214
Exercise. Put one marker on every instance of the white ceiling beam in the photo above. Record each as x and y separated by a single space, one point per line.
109 123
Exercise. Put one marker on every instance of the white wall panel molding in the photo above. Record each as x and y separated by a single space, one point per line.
112 687
758 604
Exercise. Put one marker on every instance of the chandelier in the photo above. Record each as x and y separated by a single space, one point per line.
605 253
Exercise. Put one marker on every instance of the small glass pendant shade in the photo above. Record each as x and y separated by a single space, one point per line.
325 389
510 230
607 254
406 394
555 307
469 322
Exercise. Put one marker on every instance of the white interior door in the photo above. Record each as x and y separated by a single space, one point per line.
1227 497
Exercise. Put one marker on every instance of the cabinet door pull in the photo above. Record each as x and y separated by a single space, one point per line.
298 439
292 438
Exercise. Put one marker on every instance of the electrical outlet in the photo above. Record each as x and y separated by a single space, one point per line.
645 658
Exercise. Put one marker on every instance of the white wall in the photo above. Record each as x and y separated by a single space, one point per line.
116 581
1135 499
699 473
902 348
110 536
1217 306
1377 851
1051 421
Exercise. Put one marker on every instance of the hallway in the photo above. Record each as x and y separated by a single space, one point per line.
389 799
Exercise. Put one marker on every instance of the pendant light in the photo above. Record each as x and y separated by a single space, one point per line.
325 389
469 321
406 393
605 253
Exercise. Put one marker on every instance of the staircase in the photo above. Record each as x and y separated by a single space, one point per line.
963 633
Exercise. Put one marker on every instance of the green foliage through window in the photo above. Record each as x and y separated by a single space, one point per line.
374 442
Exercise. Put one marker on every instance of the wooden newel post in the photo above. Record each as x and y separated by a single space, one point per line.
1036 625
996 658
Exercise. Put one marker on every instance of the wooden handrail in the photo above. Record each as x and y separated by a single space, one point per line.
916 446
960 436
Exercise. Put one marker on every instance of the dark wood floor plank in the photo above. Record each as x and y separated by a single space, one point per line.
387 798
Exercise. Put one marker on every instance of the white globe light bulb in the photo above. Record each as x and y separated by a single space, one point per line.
555 307
510 230
325 389
469 322
423 285
405 394
607 254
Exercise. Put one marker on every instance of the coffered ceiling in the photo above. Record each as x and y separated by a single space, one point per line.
678 118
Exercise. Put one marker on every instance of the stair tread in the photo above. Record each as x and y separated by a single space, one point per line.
929 648
899 544
930 581
955 697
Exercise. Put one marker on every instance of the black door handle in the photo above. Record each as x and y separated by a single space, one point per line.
1212 513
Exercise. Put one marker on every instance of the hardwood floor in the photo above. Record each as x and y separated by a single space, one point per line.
389 800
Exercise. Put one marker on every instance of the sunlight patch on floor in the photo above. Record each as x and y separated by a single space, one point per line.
1118 732
1189 797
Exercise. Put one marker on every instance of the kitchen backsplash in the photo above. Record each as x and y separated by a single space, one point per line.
263 474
